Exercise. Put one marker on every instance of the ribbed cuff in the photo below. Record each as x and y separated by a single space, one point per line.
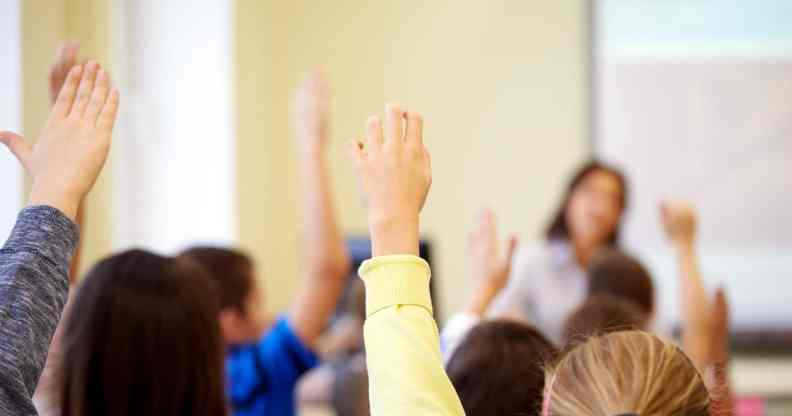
47 231
396 280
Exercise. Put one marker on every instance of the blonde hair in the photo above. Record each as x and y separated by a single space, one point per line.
625 372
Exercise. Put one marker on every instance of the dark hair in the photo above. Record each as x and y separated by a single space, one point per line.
613 272
230 270
498 369
558 228
142 338
601 315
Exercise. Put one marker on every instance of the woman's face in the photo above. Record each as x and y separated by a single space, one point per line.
594 208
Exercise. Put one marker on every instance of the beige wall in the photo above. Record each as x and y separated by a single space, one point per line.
44 24
502 85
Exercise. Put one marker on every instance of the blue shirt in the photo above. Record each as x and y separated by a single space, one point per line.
262 376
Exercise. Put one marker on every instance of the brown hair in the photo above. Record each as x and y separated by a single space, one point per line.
498 369
614 273
625 372
602 314
142 338
558 228
230 270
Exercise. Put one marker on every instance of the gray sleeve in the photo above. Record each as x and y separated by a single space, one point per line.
34 284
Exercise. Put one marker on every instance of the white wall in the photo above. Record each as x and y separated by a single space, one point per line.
174 177
10 114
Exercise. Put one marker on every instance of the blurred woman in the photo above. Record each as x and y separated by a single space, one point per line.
549 280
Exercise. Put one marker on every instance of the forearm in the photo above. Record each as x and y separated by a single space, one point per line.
33 289
400 329
694 304
325 252
481 298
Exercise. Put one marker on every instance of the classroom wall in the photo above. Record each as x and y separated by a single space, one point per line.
44 24
502 86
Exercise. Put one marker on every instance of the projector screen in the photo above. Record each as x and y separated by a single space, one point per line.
694 100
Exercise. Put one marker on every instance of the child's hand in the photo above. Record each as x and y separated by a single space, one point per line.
73 146
679 221
65 59
395 175
488 268
309 113
719 329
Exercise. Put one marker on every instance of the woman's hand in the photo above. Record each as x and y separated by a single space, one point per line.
395 175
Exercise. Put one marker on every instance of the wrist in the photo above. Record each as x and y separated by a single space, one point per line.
65 201
394 234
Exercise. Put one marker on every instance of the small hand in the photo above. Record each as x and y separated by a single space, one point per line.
309 113
719 328
67 158
66 58
679 221
395 175
487 266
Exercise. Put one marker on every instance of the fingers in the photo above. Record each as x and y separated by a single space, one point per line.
355 152
414 128
107 117
85 90
512 248
17 145
373 134
99 96
394 123
66 96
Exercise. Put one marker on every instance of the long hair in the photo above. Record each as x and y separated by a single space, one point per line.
558 228
143 338
625 372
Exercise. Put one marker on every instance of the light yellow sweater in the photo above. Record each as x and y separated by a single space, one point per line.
405 366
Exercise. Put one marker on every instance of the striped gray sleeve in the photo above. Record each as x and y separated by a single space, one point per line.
34 284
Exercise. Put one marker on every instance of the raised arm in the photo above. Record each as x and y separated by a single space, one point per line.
326 261
405 367
488 272
34 262
66 58
718 359
679 221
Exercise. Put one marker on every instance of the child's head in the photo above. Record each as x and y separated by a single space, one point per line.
349 391
602 314
242 314
614 273
142 339
498 369
625 372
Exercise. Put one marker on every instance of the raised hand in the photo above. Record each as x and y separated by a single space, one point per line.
489 268
309 114
679 221
73 147
395 174
66 58
719 328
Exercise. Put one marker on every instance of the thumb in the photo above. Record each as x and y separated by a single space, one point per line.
16 144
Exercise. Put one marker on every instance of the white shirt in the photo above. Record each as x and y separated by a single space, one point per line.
545 286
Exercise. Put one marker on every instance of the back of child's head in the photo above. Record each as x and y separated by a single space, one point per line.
498 369
628 372
612 272
231 271
602 314
142 338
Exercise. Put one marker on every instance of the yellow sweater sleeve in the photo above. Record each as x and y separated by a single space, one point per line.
405 366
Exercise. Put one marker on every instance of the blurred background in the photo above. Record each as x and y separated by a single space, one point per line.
692 98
